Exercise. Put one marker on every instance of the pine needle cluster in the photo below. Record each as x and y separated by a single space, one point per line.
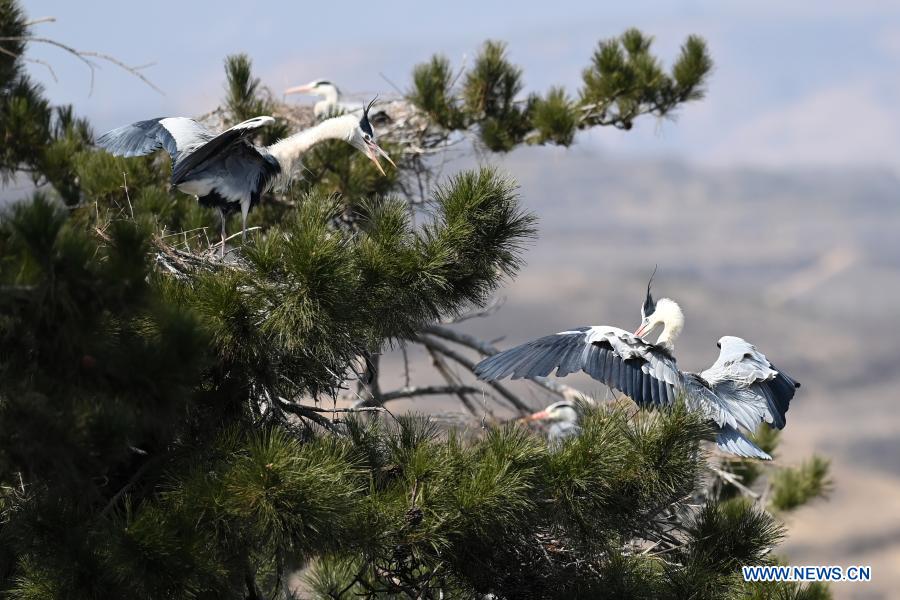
624 81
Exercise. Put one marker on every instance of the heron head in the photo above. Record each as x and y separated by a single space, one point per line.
664 313
363 139
563 411
316 87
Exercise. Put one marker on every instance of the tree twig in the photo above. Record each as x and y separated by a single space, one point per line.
462 360
733 480
441 365
81 55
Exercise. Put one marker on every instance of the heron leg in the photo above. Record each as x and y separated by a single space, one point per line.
222 218
245 210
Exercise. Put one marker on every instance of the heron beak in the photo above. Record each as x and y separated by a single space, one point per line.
640 331
538 416
300 89
372 151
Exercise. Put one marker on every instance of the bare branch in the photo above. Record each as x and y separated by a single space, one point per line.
441 365
320 409
428 390
131 482
462 360
40 20
733 480
492 307
36 61
81 55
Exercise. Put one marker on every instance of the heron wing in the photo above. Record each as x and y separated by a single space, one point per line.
733 441
614 356
174 134
215 146
747 386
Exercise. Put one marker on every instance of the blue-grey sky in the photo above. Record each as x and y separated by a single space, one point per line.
800 83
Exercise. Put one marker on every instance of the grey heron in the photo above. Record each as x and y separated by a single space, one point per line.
563 417
739 391
331 102
227 170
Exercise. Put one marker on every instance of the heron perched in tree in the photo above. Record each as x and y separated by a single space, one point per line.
563 417
331 103
227 170
740 390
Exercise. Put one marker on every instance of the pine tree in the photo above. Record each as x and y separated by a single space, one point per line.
160 435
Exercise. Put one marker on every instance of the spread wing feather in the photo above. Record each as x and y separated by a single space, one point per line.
173 134
608 354
748 386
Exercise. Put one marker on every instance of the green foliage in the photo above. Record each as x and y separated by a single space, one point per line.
12 25
555 118
723 537
336 168
307 280
795 486
432 92
245 98
37 139
625 80
489 95
76 314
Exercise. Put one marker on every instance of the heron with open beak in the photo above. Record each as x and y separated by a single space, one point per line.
738 392
227 170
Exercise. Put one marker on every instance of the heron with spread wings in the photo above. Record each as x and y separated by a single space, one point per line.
227 170
738 392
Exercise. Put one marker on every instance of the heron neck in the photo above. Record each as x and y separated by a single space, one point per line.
330 94
289 150
327 104
667 337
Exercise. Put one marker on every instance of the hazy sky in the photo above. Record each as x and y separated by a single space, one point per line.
795 83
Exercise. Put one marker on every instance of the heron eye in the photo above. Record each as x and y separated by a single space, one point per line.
367 137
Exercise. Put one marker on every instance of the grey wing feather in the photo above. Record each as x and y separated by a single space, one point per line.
749 386
144 137
734 442
215 146
551 350
613 356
